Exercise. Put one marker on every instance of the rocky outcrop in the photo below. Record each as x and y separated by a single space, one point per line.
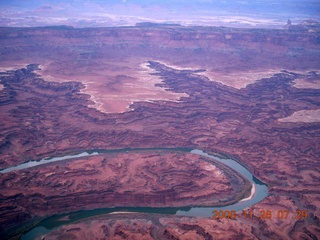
142 226
134 179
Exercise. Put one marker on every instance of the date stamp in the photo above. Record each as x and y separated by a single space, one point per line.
263 214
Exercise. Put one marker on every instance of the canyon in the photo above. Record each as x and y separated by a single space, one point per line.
133 179
238 92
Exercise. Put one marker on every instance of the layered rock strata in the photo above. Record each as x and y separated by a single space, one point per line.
141 226
42 117
133 179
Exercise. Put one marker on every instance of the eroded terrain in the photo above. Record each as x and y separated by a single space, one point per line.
47 117
134 179
141 226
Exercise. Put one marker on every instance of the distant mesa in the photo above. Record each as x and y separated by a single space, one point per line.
152 24
310 25
59 27
289 23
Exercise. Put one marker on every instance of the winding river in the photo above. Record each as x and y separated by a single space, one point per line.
259 192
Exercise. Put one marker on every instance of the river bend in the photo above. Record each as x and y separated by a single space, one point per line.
259 192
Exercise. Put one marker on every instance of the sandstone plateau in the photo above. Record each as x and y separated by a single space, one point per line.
252 95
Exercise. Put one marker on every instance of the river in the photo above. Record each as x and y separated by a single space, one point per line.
259 192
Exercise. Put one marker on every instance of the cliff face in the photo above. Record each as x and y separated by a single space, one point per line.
194 36
166 41
50 111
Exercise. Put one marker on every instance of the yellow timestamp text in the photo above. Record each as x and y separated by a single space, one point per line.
262 214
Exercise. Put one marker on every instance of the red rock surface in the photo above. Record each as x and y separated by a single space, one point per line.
41 118
123 226
135 179
141 226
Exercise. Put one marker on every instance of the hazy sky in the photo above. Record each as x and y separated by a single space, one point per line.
86 13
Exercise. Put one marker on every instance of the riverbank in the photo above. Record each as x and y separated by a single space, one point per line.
253 190
260 190
86 170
